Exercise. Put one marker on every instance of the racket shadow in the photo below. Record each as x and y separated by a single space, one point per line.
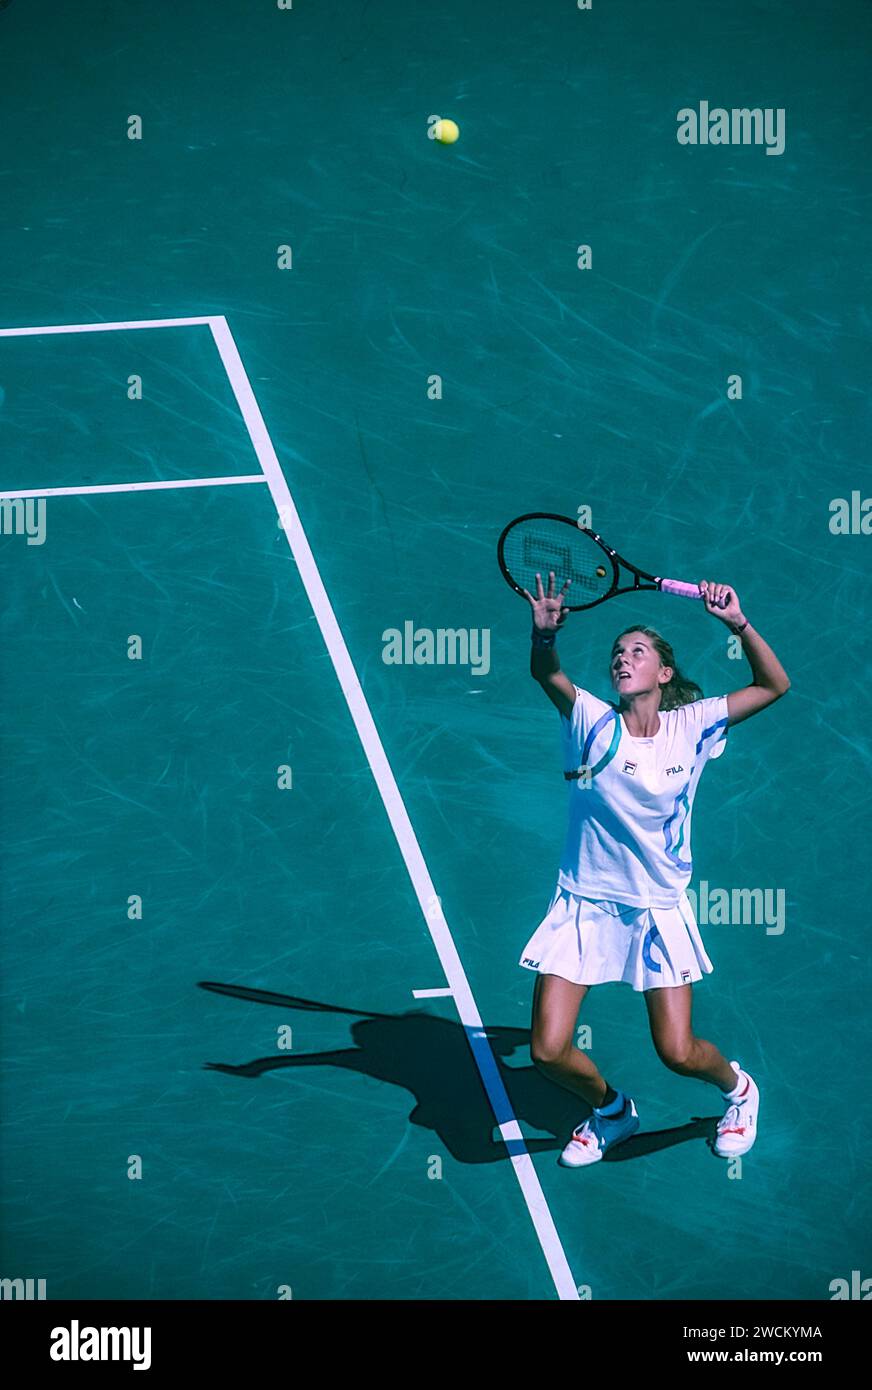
430 1057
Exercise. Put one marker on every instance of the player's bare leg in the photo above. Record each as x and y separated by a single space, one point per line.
669 1014
556 1003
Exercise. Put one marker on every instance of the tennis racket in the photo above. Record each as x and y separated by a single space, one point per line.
540 542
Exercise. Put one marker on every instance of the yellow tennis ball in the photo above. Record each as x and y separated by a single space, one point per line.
446 132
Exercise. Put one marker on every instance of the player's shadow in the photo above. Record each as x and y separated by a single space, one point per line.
431 1058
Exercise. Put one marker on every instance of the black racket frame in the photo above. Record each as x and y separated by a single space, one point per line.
614 559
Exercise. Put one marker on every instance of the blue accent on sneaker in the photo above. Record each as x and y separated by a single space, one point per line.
615 1108
591 1140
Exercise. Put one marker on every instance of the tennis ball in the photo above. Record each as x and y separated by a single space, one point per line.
600 572
446 132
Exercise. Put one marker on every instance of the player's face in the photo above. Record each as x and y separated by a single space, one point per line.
636 666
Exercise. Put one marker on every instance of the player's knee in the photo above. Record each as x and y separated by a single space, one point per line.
546 1052
674 1053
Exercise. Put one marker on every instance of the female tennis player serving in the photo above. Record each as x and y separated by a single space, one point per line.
620 911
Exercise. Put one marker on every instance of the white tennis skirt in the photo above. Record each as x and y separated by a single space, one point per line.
592 942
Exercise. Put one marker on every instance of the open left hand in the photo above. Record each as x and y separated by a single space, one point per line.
722 601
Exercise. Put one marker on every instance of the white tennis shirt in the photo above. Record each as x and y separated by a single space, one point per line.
630 814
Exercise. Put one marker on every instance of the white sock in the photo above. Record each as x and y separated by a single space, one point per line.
739 1086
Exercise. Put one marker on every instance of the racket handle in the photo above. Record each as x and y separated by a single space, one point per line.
675 586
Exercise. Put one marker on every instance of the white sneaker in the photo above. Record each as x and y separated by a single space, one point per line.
590 1140
738 1129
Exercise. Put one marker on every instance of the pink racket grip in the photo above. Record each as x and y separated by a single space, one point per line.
675 586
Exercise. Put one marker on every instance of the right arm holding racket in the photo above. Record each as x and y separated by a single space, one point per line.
770 680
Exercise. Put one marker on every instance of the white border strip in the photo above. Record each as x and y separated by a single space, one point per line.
393 803
443 993
103 327
132 487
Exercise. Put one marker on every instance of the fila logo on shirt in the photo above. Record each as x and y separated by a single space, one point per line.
630 769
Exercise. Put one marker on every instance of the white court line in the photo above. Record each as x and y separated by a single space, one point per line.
419 874
132 487
102 327
432 993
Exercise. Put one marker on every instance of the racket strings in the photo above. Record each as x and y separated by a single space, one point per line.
539 547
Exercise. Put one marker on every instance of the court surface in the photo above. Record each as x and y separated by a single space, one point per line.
263 1030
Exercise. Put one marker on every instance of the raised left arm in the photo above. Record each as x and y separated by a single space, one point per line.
770 680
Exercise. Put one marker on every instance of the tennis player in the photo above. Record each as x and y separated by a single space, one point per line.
620 911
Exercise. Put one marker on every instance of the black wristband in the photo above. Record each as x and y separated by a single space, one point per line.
543 640
737 630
